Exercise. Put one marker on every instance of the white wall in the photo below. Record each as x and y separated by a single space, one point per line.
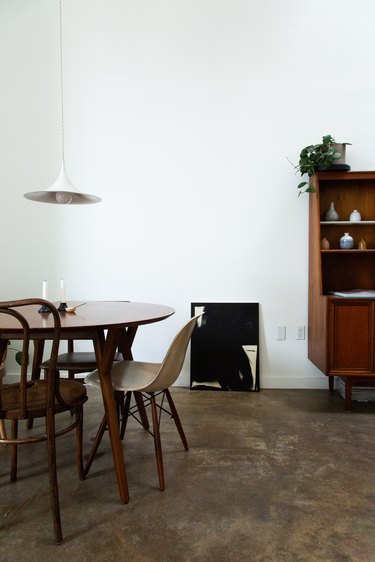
180 114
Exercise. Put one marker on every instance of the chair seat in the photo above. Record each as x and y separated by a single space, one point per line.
77 360
130 375
72 392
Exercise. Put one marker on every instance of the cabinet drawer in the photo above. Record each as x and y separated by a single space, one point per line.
351 336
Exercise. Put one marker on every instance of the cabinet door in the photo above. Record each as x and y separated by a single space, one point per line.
351 337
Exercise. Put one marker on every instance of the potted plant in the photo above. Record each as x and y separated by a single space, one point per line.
317 157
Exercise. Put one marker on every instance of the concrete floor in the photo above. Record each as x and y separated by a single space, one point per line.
279 475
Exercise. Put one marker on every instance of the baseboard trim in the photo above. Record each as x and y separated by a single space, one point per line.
295 382
317 382
265 382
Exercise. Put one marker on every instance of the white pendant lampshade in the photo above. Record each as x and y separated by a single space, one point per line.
62 192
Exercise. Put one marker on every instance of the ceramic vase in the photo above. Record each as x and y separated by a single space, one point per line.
346 242
331 214
355 216
362 244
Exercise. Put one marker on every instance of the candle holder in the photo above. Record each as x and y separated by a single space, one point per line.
63 306
44 308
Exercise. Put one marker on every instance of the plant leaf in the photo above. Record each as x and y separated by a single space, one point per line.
18 357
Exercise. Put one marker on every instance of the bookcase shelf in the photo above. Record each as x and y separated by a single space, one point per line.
341 335
350 223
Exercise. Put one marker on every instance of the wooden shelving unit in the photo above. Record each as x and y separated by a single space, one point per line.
341 340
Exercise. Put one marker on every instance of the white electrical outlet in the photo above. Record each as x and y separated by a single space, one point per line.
281 332
301 332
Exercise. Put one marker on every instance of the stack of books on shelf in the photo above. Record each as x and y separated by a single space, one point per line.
357 293
362 392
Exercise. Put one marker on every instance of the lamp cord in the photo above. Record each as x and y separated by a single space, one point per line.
62 89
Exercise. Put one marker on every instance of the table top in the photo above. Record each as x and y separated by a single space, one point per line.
90 316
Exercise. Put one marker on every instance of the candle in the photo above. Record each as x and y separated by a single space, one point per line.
45 290
62 291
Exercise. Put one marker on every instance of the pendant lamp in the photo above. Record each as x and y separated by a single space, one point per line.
62 191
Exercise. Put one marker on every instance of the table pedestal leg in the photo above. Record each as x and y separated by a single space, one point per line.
105 357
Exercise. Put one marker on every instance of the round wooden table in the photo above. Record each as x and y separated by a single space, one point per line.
112 326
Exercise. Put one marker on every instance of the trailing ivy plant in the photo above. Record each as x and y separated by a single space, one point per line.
313 157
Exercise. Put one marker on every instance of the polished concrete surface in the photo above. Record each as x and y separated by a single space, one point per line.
279 475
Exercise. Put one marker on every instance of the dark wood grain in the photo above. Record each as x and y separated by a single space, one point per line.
341 331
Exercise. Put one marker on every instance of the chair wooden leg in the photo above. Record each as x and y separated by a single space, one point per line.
79 440
13 469
125 413
3 432
95 445
52 471
142 410
157 442
119 397
35 372
177 420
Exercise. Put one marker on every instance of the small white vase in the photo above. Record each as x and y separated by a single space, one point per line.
331 214
346 242
355 216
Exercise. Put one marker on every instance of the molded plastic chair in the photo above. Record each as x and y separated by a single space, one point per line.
29 399
83 362
151 380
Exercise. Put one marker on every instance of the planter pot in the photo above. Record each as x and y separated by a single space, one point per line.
341 148
340 164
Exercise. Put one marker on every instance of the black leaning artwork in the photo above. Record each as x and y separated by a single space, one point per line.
225 346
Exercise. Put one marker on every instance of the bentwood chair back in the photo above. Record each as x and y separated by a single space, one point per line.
30 399
151 380
74 362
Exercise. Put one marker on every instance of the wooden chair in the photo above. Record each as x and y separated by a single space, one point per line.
149 380
31 399
75 362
